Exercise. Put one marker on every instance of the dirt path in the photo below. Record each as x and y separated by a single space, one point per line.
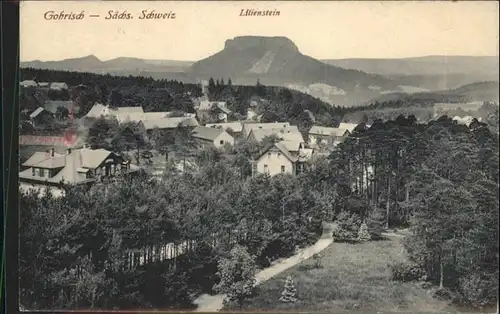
213 303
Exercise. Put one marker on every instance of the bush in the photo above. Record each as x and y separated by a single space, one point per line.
406 272
347 227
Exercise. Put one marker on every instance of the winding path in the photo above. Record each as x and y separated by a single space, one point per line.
213 303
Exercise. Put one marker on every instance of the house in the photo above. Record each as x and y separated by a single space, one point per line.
279 159
52 105
28 83
98 111
166 123
207 110
40 116
290 133
326 136
249 126
58 86
206 136
234 127
347 126
76 166
128 114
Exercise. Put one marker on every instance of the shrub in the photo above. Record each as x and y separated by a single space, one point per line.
347 226
363 234
406 272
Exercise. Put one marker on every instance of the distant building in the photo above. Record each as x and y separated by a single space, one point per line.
279 159
128 114
167 123
99 111
235 127
249 126
59 86
326 136
41 116
28 83
207 136
43 84
210 110
78 166
347 126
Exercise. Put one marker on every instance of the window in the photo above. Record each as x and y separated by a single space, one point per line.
222 142
282 168
42 172
269 155
279 154
33 170
266 170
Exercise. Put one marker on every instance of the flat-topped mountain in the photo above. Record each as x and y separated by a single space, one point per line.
277 60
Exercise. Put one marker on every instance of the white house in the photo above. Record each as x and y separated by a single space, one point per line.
212 136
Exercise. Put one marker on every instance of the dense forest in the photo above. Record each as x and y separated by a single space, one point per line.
439 179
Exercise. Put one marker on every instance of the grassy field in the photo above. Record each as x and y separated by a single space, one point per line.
353 277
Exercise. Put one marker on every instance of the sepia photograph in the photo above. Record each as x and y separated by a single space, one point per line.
227 156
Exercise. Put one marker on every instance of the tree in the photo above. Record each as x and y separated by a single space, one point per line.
237 274
375 224
347 227
289 294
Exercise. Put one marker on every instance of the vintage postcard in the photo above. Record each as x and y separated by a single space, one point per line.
259 156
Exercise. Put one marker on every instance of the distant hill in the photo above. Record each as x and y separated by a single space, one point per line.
430 72
478 91
123 65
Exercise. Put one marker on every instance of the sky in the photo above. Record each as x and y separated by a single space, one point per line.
323 30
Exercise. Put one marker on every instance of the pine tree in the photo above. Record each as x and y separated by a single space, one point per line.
375 224
363 234
289 294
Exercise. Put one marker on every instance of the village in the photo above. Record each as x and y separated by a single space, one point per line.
286 152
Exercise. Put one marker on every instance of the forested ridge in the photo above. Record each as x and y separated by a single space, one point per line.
439 179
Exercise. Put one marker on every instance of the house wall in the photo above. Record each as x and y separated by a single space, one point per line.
222 139
274 160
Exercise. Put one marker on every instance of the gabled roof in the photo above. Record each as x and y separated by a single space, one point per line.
347 126
234 126
291 134
45 160
282 148
170 123
37 111
206 133
276 125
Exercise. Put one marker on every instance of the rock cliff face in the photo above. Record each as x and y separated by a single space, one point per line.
268 43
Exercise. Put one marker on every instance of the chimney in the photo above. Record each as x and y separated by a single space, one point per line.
52 152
